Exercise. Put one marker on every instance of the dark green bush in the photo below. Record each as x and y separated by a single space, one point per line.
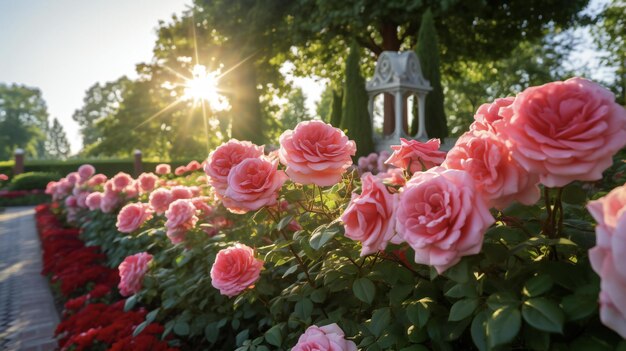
32 180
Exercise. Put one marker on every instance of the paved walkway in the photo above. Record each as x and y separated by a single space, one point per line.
27 312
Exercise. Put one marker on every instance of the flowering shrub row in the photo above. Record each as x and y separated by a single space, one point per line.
93 316
296 249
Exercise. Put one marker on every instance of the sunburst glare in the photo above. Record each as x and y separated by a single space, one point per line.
204 86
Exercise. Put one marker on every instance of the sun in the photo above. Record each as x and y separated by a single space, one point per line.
204 86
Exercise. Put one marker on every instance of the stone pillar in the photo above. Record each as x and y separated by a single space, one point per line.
138 166
397 131
18 167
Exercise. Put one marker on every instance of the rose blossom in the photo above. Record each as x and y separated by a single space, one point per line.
120 181
225 157
73 178
316 153
202 205
252 184
97 180
181 216
163 169
416 155
85 172
327 338
488 116
235 269
564 131
147 182
109 201
442 217
4 177
498 177
369 217
132 271
180 170
160 200
93 201
193 166
132 216
607 256
181 192
70 201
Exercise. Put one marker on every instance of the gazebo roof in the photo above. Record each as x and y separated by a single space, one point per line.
398 71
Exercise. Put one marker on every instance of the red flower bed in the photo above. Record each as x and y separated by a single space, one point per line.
12 194
95 317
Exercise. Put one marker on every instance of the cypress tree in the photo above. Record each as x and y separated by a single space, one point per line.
335 108
428 53
355 117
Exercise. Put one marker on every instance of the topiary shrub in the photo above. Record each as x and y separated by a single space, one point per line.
32 180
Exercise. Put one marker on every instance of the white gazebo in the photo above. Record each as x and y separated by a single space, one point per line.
400 75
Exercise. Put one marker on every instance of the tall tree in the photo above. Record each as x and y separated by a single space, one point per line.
100 101
57 145
610 36
23 120
428 54
355 117
336 108
323 106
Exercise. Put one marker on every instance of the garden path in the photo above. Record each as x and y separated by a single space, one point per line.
28 315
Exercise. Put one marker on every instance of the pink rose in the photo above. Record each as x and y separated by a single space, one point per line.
442 217
327 338
393 176
416 155
235 269
109 202
252 184
97 180
225 157
81 199
70 201
498 177
4 177
147 182
564 131
85 172
93 201
488 116
163 169
181 192
132 271
181 217
316 153
180 170
608 255
193 166
73 178
201 204
370 217
160 200
132 216
120 181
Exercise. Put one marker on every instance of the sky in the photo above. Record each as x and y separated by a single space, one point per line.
65 46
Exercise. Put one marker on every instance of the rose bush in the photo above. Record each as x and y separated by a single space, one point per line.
395 261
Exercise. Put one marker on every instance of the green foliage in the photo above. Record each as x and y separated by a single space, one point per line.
295 110
32 180
57 146
428 53
610 36
336 109
355 117
23 121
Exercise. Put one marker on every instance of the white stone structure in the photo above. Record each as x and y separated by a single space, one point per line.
398 74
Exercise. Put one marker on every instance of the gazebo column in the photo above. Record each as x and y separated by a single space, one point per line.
370 110
398 130
421 117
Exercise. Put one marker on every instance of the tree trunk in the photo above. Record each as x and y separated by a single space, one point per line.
391 42
247 122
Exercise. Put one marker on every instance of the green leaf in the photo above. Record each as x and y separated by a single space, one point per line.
181 328
380 320
579 306
462 309
458 291
211 332
479 330
130 303
290 270
322 234
364 290
543 314
304 308
284 222
502 299
274 336
150 317
536 339
503 325
415 348
419 312
241 337
398 293
319 295
140 328
459 273
538 285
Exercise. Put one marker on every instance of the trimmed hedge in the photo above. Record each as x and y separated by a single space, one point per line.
109 167
32 180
